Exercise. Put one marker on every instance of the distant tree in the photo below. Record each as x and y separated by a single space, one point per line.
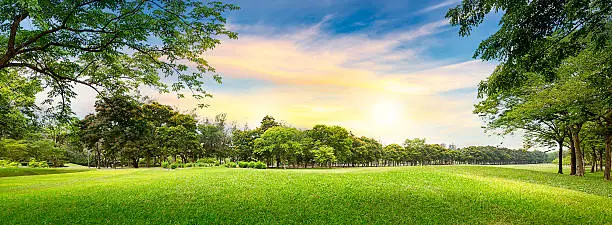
281 144
333 136
324 156
243 141
268 122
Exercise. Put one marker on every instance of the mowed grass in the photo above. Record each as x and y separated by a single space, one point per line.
395 195
13 172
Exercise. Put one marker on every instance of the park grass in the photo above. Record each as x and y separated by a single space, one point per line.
14 172
390 195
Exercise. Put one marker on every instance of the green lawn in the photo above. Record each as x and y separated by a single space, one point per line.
398 195
14 172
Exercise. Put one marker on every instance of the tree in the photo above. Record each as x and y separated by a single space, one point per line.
214 138
281 144
324 155
243 141
17 104
112 45
268 122
333 136
14 150
393 153
534 36
415 150
553 56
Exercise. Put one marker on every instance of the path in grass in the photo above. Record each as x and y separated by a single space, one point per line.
433 195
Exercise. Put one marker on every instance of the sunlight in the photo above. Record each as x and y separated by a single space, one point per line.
386 112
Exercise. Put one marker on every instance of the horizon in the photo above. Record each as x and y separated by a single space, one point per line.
414 78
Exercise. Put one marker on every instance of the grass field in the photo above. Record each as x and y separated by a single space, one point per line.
393 195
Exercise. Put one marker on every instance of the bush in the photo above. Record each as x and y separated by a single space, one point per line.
217 164
251 164
243 164
260 165
207 160
8 164
174 165
34 164
189 165
43 165
165 164
230 164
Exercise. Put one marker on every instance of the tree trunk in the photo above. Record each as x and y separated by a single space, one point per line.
594 160
601 161
560 157
579 154
98 156
608 157
135 162
572 156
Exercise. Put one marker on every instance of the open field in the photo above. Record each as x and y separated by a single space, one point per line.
14 172
394 195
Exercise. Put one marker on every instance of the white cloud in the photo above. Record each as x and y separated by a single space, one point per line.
438 6
349 80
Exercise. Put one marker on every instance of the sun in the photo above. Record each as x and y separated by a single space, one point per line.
386 113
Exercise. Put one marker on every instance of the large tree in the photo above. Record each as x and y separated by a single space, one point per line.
112 45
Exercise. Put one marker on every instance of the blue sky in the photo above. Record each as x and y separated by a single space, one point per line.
385 69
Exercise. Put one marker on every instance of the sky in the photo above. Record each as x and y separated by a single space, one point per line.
390 70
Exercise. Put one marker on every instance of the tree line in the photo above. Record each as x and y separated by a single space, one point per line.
128 132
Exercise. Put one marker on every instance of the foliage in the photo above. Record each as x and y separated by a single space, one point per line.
324 155
280 144
242 164
553 80
8 164
259 165
23 150
34 164
165 164
112 46
230 164
17 104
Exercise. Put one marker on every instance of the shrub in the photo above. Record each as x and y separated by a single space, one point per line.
251 164
243 164
43 165
189 165
260 165
173 166
34 164
217 164
8 164
230 164
165 164
4 163
207 160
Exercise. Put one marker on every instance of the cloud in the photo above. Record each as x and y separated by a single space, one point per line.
350 80
381 86
438 6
